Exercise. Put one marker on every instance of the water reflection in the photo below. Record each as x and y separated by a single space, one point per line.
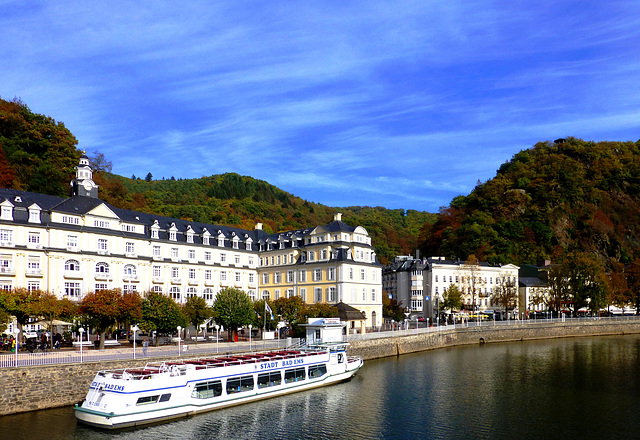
573 388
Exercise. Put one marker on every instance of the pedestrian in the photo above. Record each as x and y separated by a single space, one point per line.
145 347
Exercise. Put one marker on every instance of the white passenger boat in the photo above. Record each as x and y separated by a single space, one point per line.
170 389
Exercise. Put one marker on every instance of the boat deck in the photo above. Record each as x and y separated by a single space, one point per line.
176 366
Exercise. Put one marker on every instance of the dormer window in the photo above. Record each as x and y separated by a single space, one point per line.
221 240
173 233
236 241
205 236
155 229
6 211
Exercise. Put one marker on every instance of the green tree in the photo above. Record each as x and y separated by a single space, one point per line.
148 178
161 314
233 308
451 298
196 311
392 309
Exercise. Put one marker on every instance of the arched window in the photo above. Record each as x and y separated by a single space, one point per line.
129 269
72 265
208 295
265 294
157 289
102 268
174 293
192 292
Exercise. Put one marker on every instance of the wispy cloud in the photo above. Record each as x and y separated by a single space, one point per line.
400 105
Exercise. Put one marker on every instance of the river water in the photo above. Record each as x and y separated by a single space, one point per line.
569 388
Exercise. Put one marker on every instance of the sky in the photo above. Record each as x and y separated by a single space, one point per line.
403 104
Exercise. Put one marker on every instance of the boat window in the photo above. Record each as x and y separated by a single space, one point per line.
147 400
239 384
271 379
317 370
294 375
165 397
206 390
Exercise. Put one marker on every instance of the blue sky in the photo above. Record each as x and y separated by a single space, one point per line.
402 104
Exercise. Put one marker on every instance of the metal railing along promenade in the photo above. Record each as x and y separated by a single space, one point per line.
75 355
412 327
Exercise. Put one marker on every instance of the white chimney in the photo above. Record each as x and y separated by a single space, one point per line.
258 227
337 217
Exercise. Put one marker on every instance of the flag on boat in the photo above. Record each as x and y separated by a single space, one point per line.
268 309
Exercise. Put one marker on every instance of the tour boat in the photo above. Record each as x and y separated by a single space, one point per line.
179 388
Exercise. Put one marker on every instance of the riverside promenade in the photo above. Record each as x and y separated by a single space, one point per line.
30 386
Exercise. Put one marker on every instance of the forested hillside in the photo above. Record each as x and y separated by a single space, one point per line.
567 196
39 154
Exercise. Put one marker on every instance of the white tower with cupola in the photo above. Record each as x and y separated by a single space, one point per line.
83 184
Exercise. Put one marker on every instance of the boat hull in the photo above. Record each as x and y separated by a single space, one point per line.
114 417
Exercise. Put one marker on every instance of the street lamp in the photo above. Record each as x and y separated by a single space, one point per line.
81 330
250 327
179 330
135 328
16 332
217 327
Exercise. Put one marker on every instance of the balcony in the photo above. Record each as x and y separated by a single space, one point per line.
73 249
33 273
74 274
7 244
101 276
157 280
103 252
176 280
7 271
131 255
34 246
209 283
131 277
157 258
192 282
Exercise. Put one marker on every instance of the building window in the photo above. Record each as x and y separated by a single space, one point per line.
72 265
223 276
303 293
129 288
191 254
363 275
207 275
205 240
32 286
311 255
331 294
130 270
265 294
237 259
34 238
72 290
130 248
331 274
277 278
302 276
265 278
189 240
102 268
174 292
317 294
251 278
317 275
238 277
208 295
207 256
277 294
101 286
157 289
157 271
350 273
154 233
34 216
289 293
7 213
373 295
323 254
103 245
192 292
290 276
70 220
174 253
223 257
72 241
192 274
173 236
156 251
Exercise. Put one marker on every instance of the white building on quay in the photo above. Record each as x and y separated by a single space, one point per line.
71 246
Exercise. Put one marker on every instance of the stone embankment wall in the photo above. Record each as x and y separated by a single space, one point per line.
411 343
33 388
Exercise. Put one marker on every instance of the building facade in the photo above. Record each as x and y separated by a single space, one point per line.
420 283
71 246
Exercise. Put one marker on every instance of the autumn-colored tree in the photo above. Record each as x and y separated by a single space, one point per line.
618 292
102 309
6 172
392 309
505 293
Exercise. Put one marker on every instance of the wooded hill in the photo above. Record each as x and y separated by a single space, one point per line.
556 198
38 154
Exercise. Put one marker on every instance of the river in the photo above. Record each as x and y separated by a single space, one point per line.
566 388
